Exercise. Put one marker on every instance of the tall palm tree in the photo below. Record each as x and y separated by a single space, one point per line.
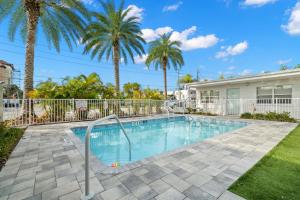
58 19
163 53
116 34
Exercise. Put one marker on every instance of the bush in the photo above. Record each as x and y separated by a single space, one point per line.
270 116
9 137
246 115
259 116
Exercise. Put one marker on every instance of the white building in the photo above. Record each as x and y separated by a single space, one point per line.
276 92
183 94
6 72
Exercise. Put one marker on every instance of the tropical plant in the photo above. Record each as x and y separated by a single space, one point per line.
59 19
283 68
221 77
12 91
188 78
116 34
152 94
131 89
163 53
297 66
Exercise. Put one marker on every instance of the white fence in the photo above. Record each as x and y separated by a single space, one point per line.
18 112
239 106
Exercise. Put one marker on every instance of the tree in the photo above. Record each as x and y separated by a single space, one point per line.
59 19
79 87
12 91
188 78
221 77
152 94
163 53
116 34
297 66
283 68
130 89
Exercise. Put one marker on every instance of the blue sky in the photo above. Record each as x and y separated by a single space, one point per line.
234 37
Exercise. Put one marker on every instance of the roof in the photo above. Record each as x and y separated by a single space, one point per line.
2 62
248 79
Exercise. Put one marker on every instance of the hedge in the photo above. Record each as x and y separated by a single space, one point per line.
270 116
9 137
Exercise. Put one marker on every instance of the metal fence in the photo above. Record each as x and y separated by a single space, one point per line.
239 106
18 112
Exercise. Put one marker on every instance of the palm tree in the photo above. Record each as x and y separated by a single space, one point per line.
115 34
59 19
163 53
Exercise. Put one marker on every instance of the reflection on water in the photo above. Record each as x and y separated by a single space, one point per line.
151 137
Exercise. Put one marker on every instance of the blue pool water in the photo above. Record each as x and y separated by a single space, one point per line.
151 137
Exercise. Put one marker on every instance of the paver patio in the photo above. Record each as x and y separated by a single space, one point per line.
47 164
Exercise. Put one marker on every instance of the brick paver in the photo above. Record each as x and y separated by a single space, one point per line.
48 164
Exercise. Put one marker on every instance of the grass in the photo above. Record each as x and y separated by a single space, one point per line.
9 137
276 175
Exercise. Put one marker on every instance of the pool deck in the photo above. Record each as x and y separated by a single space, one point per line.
49 164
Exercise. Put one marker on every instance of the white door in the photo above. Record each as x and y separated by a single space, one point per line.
233 101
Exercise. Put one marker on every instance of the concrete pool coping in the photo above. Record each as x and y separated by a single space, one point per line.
47 164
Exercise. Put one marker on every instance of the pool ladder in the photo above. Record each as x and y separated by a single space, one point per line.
89 195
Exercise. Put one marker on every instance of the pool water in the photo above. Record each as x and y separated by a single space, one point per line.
151 137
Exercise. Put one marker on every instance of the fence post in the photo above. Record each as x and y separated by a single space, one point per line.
276 103
30 111
1 102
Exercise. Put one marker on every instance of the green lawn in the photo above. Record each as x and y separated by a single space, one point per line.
276 176
9 137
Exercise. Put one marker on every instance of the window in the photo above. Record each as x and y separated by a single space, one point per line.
264 95
210 96
281 94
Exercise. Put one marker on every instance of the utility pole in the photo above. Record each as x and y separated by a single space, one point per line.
198 71
178 82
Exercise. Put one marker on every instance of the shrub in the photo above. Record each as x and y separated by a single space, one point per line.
246 115
9 137
270 116
259 116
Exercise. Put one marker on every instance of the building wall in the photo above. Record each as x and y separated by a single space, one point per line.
6 74
249 90
248 94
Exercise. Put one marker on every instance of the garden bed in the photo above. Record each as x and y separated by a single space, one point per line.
9 138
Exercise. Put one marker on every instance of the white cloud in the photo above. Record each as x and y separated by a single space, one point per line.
231 68
246 72
284 62
140 60
257 2
198 42
150 34
173 7
135 12
233 50
293 25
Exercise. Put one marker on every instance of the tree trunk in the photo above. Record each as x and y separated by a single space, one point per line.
33 13
116 59
165 80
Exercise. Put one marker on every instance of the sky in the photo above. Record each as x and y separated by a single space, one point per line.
230 37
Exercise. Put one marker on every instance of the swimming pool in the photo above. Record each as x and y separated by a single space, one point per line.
151 137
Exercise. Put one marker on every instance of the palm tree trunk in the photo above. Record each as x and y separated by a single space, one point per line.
165 80
33 12
116 59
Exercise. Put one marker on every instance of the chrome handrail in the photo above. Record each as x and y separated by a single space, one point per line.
89 195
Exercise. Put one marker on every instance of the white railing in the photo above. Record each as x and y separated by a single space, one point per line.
238 106
18 112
